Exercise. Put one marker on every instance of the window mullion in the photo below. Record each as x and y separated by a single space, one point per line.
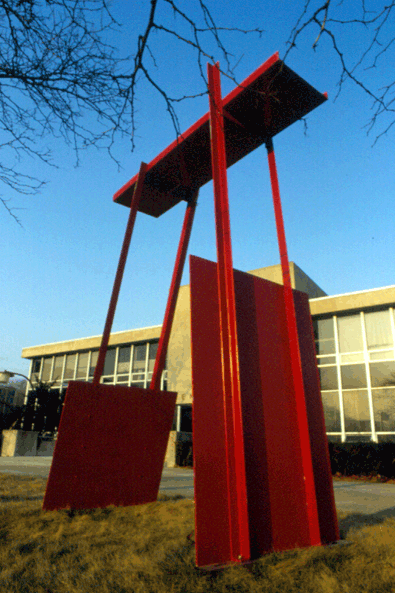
339 381
369 383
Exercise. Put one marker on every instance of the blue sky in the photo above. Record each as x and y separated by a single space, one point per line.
337 193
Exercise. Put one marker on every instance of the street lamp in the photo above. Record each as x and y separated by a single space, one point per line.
5 376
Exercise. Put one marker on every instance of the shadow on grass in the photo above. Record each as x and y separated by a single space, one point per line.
360 520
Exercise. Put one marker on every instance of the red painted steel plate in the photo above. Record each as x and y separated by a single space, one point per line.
110 448
275 487
268 101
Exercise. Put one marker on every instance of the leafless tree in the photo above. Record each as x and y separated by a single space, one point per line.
368 26
61 75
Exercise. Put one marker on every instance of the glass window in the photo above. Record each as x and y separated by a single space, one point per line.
138 384
92 366
47 365
324 335
122 379
356 410
58 368
328 377
36 366
378 329
153 349
326 360
355 357
109 362
330 400
70 366
382 355
382 373
350 333
353 375
384 409
82 367
123 359
386 438
186 419
139 355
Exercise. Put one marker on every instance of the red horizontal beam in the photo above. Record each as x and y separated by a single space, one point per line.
269 100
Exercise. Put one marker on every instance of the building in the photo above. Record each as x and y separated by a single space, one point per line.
355 337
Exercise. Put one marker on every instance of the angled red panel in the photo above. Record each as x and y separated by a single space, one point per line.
110 448
276 491
315 415
269 100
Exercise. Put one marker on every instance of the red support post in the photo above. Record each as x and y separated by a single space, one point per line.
236 477
296 364
173 293
119 275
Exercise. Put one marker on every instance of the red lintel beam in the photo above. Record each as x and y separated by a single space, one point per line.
273 85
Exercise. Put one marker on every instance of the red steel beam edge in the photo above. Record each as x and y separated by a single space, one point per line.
173 293
308 475
119 275
237 489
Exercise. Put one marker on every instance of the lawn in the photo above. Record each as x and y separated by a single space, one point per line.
149 549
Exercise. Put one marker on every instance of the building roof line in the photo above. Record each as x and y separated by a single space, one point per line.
124 331
343 294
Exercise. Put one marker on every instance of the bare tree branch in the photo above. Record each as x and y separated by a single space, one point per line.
377 27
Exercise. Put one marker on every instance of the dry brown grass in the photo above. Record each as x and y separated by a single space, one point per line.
145 550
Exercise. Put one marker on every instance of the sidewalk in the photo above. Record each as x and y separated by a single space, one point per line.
175 481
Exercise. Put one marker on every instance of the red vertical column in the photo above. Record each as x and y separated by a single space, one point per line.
119 275
236 477
297 374
173 293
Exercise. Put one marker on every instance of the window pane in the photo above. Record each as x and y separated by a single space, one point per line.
384 409
70 366
124 379
356 410
350 333
109 362
323 329
58 368
82 367
326 360
94 357
36 365
382 355
325 347
123 359
153 349
47 364
378 329
138 376
139 354
328 377
330 400
353 375
324 335
382 373
356 357
138 384
186 419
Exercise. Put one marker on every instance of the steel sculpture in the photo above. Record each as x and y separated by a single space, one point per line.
262 471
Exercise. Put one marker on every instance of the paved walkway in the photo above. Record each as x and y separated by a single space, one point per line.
351 497
174 481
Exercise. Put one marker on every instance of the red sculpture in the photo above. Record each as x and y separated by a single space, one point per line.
262 472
